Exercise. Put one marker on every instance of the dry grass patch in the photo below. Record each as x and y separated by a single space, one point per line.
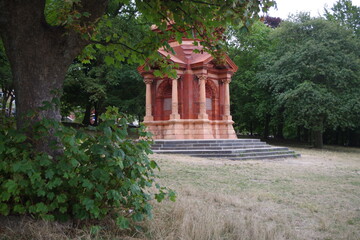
26 228
312 197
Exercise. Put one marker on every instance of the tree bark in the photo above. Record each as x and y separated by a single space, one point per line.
279 130
298 133
39 56
318 139
86 120
266 127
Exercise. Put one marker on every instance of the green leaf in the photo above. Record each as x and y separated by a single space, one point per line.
4 209
87 184
88 203
41 208
18 208
49 174
157 73
153 164
61 198
172 196
11 186
108 132
160 196
122 222
109 60
138 217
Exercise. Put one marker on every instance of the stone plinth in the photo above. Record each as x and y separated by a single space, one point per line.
191 129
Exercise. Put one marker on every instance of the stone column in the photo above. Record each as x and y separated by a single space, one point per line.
174 100
227 115
148 114
202 100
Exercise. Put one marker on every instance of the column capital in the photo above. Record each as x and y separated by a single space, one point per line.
226 80
202 76
176 78
148 80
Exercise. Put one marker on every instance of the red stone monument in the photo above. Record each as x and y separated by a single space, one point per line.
196 104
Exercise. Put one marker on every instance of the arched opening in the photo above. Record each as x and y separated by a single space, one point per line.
212 100
163 100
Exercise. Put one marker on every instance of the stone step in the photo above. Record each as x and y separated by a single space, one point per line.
262 157
207 144
234 149
246 154
158 146
205 141
220 151
210 148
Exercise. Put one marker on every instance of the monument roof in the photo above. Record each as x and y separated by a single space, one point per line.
184 55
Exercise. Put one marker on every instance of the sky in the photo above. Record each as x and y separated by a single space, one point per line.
315 7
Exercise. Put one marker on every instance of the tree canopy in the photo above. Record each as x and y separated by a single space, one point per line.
346 13
301 77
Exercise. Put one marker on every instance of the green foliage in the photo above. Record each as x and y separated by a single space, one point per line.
250 101
125 30
101 85
316 52
347 14
312 73
296 79
100 172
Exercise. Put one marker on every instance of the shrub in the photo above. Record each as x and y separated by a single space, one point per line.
100 172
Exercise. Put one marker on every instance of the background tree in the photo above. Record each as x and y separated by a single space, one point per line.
347 14
6 83
313 72
250 101
95 81
272 22
95 87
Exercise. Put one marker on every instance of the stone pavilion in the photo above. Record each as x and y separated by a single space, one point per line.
195 104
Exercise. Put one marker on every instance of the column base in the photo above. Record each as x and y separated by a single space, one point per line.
174 116
227 117
203 116
148 118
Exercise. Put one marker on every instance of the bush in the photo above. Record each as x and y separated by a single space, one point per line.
100 172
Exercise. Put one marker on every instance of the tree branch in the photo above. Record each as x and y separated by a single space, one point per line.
96 8
206 3
116 43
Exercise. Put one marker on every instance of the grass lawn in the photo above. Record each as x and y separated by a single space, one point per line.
316 196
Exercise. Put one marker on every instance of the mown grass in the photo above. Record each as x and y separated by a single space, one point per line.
316 196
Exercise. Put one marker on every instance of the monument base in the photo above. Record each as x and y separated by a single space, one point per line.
191 129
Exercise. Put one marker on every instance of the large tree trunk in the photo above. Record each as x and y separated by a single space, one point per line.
279 131
266 132
86 120
39 55
318 134
318 139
